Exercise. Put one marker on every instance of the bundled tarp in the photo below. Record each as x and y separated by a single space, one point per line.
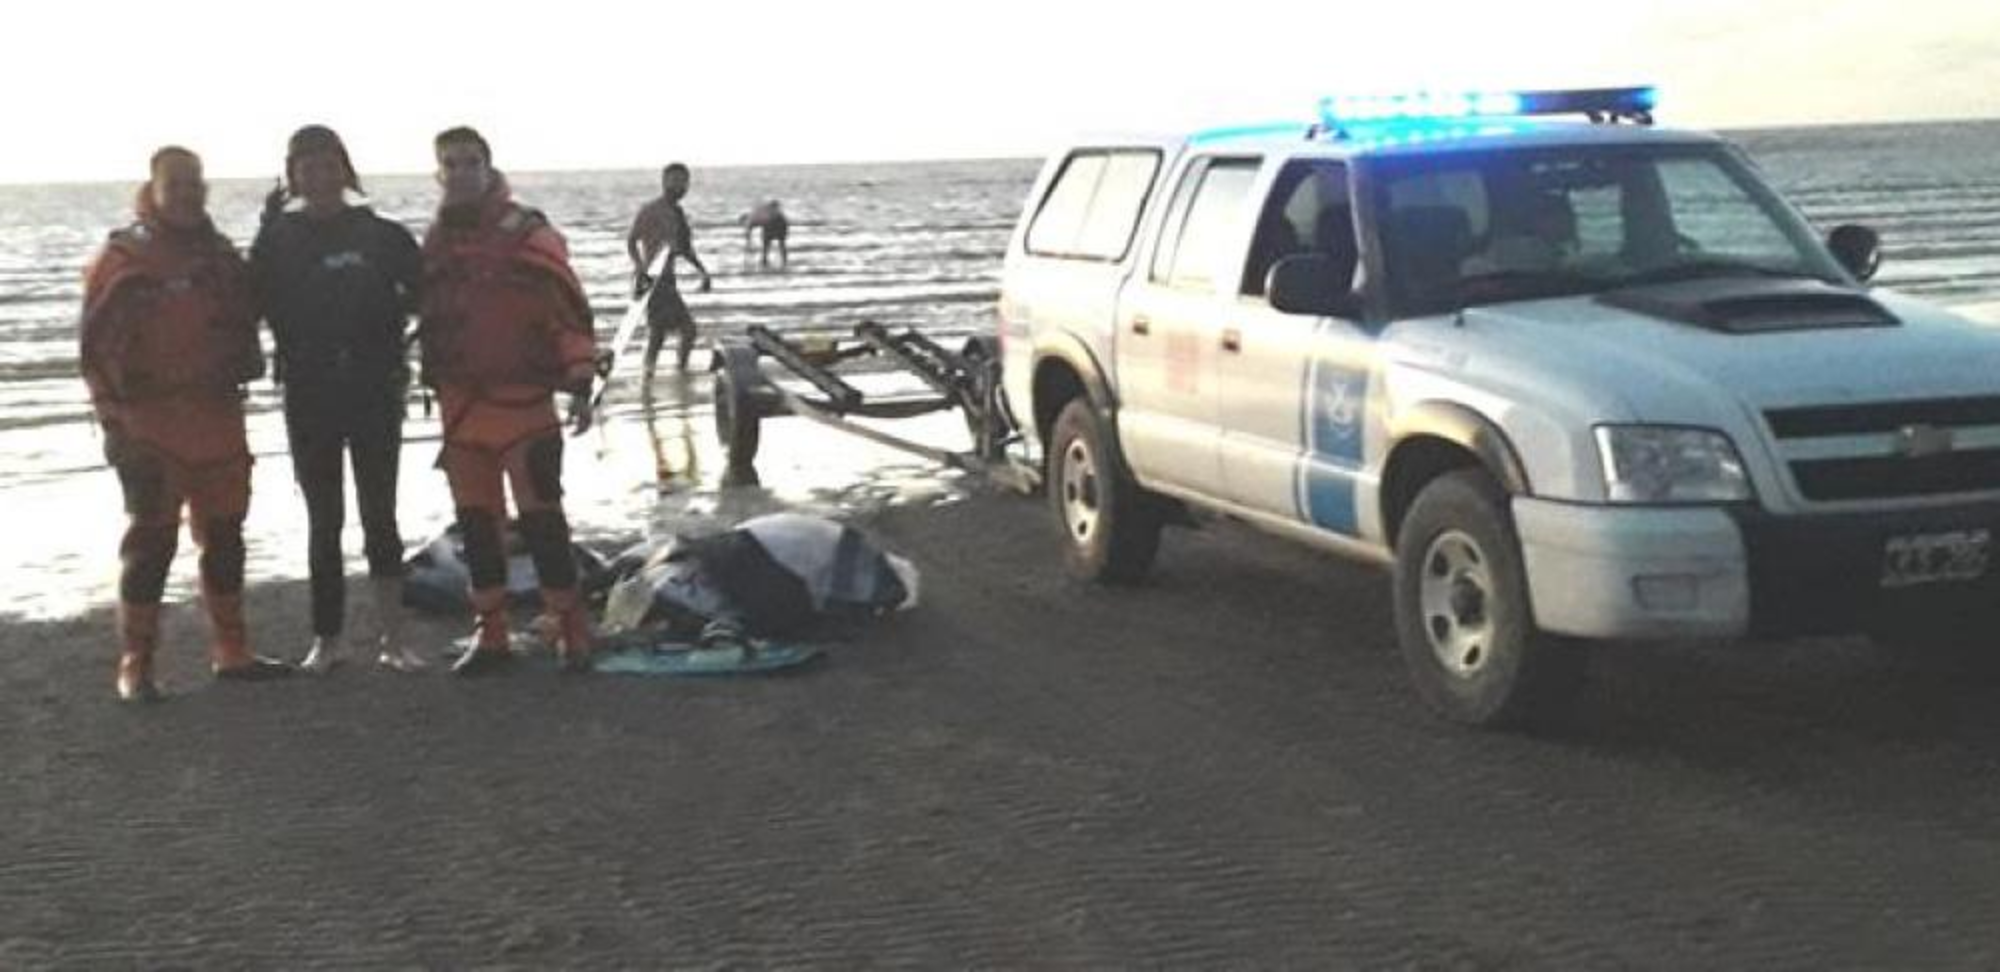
774 575
436 578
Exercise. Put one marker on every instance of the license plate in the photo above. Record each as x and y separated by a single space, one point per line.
1936 558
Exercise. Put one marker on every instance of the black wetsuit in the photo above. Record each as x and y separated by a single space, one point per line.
338 291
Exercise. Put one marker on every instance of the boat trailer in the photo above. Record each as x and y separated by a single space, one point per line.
967 380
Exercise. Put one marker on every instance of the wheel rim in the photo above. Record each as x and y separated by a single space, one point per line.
1080 501
1457 596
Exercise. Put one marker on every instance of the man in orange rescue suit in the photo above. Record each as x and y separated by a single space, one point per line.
168 338
505 326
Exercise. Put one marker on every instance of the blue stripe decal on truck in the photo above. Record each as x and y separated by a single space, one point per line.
1336 405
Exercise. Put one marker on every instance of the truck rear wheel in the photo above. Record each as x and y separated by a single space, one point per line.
1463 620
1111 527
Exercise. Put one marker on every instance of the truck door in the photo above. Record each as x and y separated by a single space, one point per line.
1295 388
1168 331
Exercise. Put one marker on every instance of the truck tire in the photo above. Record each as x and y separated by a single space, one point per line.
1111 527
1463 620
737 426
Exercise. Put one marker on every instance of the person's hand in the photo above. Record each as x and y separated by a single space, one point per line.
274 201
641 282
580 417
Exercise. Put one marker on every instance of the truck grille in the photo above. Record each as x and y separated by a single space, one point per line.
1891 450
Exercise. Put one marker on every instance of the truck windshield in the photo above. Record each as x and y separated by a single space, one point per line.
1468 228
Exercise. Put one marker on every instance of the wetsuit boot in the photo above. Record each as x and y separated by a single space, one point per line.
139 637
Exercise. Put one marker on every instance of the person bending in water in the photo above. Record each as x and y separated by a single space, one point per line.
768 220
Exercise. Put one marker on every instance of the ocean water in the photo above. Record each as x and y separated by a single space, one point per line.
915 244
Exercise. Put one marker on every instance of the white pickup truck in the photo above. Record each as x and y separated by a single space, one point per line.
1573 379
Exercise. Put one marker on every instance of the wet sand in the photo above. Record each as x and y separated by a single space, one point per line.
1221 768
651 466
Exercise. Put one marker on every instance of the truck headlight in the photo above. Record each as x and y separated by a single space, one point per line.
1668 464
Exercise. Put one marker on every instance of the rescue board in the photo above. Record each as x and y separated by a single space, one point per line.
752 656
629 328
696 661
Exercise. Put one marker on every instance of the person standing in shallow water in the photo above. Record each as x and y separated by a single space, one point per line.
663 223
167 341
505 325
769 220
337 284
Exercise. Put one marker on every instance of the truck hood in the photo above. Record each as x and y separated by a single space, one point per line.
1666 368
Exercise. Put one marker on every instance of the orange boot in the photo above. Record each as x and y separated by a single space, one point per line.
138 636
572 627
230 656
491 652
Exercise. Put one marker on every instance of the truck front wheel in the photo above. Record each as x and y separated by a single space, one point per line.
1463 620
1111 527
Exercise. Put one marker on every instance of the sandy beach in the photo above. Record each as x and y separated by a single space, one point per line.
1223 767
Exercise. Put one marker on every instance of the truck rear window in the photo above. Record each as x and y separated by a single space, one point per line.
1093 205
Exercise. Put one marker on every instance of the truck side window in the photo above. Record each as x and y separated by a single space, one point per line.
1114 213
1197 245
1308 212
1093 206
1060 220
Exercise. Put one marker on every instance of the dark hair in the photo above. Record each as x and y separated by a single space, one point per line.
464 135
170 152
319 138
673 167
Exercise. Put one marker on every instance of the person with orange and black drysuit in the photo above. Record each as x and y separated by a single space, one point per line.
505 325
337 284
167 341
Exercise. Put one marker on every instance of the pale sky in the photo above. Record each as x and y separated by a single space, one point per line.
92 87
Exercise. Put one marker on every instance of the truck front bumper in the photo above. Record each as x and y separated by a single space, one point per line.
1699 572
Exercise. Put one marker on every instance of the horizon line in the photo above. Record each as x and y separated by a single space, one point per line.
919 160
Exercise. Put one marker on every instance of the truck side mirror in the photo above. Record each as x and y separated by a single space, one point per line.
1312 283
1858 248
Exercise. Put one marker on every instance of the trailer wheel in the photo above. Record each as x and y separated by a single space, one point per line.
737 427
986 410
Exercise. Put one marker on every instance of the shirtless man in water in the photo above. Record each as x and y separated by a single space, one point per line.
662 223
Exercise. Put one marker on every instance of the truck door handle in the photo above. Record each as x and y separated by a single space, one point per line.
1232 340
1142 325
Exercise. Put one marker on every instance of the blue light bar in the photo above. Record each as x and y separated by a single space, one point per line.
1341 111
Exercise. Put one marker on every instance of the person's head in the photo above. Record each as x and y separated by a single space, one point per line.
175 192
465 164
318 169
674 180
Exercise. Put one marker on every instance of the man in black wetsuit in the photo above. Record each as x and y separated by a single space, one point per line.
337 284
